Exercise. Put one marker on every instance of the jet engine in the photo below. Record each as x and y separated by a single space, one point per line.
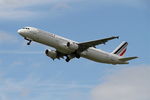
51 53
72 46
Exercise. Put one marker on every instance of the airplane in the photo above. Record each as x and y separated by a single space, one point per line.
71 49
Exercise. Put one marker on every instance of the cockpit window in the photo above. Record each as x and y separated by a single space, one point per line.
26 28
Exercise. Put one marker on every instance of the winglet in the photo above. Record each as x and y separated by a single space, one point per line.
117 37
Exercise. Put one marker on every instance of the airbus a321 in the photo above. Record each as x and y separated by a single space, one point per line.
68 49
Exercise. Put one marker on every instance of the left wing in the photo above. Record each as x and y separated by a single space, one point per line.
85 45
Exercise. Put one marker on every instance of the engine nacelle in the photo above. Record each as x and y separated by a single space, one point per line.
72 46
51 53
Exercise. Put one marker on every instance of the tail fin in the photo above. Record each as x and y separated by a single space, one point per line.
121 49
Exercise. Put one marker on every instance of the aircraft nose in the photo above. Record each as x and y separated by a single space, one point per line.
20 31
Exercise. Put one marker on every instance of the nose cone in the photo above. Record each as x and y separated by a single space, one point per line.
21 32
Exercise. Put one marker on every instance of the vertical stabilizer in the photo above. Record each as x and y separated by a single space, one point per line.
121 49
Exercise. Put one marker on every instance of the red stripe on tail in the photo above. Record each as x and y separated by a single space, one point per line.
123 52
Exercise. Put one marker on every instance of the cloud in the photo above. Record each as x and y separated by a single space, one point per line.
14 9
126 84
20 52
6 37
34 88
23 3
16 14
128 3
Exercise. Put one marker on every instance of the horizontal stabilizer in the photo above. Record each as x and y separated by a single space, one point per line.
127 58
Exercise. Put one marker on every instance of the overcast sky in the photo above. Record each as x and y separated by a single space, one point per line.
26 73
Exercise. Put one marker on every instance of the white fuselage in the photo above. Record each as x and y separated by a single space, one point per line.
59 43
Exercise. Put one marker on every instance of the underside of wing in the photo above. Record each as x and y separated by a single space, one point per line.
85 45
